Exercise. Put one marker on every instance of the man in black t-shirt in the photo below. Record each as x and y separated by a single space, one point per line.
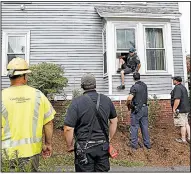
181 108
79 121
137 102
131 65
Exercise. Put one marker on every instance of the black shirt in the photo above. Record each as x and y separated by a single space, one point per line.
180 92
139 91
133 61
80 114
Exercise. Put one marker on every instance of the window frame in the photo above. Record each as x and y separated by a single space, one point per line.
103 49
5 35
124 26
162 26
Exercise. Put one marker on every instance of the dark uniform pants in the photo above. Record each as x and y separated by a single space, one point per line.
126 69
98 160
140 119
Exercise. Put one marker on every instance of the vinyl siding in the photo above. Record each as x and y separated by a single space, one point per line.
160 84
70 34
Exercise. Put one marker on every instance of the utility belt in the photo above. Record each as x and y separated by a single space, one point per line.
89 144
137 107
81 148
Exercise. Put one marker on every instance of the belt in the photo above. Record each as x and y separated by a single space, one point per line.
99 141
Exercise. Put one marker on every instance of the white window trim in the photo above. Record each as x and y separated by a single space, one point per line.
5 35
123 26
111 39
145 47
104 30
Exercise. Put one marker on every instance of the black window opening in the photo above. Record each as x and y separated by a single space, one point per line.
104 52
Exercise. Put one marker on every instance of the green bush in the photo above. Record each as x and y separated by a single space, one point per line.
48 78
153 110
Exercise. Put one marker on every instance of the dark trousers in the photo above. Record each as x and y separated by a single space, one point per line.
98 160
140 119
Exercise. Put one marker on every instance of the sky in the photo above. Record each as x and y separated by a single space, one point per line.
184 8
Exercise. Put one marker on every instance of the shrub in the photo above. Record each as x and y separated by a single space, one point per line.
154 108
48 78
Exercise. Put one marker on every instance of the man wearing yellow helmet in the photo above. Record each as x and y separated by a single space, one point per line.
26 112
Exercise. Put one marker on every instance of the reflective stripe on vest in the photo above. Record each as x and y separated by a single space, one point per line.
48 113
14 143
36 112
7 132
7 143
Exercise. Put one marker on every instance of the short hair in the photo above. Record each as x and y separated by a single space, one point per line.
15 77
136 76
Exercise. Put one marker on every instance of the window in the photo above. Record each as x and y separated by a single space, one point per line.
155 51
15 44
125 39
104 52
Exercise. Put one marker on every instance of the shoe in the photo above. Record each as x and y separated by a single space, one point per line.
148 147
179 140
119 70
121 87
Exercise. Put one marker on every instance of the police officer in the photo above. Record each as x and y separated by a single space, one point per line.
133 65
25 113
137 102
181 108
91 148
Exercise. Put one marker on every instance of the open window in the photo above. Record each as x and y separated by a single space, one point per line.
15 44
125 39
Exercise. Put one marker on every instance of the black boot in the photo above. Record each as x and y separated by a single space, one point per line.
121 87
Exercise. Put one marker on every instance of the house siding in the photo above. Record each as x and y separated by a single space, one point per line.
177 48
157 85
70 34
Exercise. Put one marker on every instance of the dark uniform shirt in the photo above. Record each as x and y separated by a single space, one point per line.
180 92
139 91
80 114
133 61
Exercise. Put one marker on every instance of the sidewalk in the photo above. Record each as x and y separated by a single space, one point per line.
185 169
151 169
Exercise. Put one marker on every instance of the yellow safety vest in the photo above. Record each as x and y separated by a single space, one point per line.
24 112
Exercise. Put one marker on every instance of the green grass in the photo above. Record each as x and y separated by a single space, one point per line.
65 163
51 164
60 161
125 163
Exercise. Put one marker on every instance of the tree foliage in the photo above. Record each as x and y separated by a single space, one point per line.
48 78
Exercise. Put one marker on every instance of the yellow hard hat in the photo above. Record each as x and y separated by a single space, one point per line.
18 66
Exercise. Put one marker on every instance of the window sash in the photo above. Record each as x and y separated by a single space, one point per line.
156 48
16 53
126 41
5 40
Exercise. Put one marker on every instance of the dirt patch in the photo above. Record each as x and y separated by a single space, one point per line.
165 150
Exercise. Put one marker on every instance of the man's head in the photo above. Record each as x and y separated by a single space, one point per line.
17 70
136 76
88 82
132 51
176 80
